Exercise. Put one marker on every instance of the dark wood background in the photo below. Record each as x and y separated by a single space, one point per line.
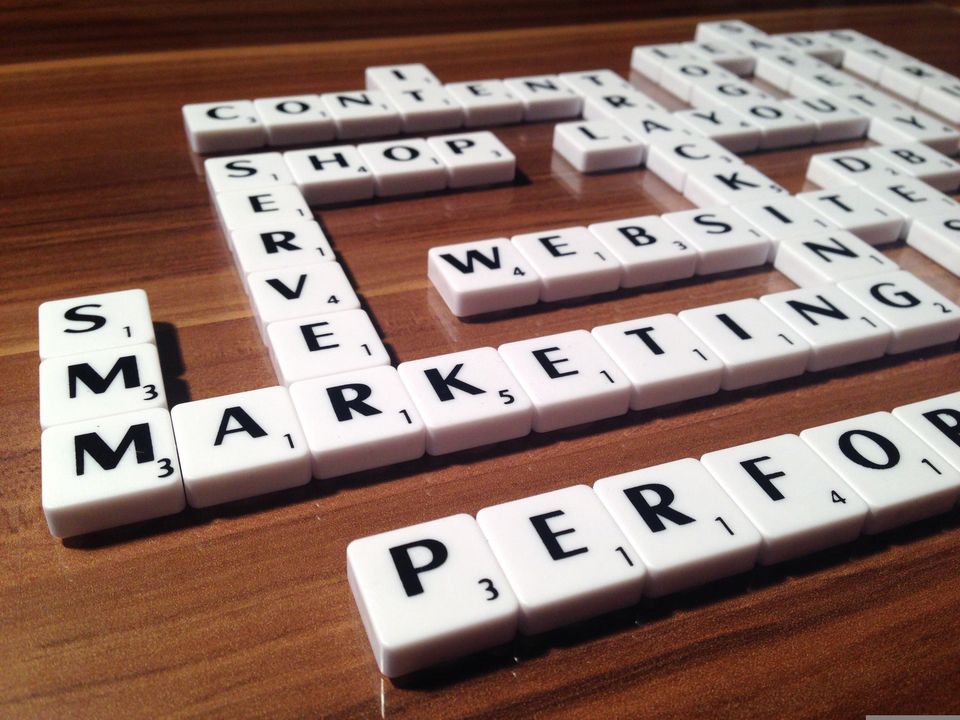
244 609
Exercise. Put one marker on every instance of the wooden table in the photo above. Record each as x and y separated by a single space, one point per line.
244 609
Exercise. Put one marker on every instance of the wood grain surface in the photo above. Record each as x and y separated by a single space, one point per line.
244 609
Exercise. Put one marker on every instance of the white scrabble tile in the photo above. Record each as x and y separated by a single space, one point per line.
382 77
261 206
564 557
942 98
937 422
816 45
595 145
240 445
910 198
569 379
778 68
938 237
838 329
110 471
908 77
730 185
829 257
780 125
834 119
726 55
221 126
430 592
245 172
321 345
571 263
403 167
293 292
683 526
724 127
674 156
331 174
872 102
848 167
424 108
588 83
486 102
869 59
754 345
648 60
827 83
923 163
362 114
295 119
847 38
357 421
476 158
790 495
482 276
724 240
282 245
664 361
624 106
910 125
467 399
94 322
783 218
649 250
918 315
680 76
853 210
762 44
899 476
100 383
726 31
726 92
544 97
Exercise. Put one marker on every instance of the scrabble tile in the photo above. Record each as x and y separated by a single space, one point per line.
482 276
645 123
100 383
937 422
261 206
726 55
679 77
938 237
109 471
848 167
564 557
278 246
868 60
382 77
331 175
222 126
683 526
918 315
899 476
730 185
783 218
754 345
569 379
649 250
326 344
675 156
908 77
723 126
240 445
430 592
847 38
648 60
627 107
293 292
467 399
726 31
815 45
664 362
424 108
790 495
778 68
595 145
899 125
853 210
403 167
780 125
872 102
94 322
829 257
486 102
544 97
588 83
723 239
923 163
838 329
942 98
357 421
571 263
910 198
834 119
724 93
362 114
246 172
476 158
759 45
827 83
295 119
